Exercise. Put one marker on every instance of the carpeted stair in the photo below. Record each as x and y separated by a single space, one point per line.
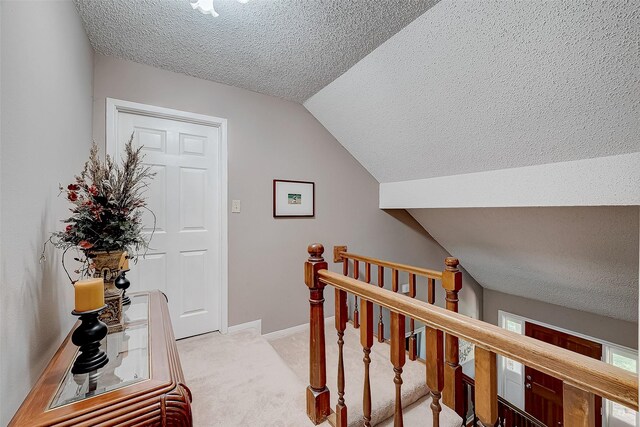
294 350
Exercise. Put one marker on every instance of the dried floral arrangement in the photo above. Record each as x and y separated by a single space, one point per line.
107 202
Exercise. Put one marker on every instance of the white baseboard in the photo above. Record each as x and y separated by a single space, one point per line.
255 324
290 331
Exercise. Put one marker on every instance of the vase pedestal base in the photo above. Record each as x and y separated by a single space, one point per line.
112 314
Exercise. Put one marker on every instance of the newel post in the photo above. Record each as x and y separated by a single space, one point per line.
318 402
453 393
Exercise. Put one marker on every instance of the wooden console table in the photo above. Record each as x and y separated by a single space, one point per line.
142 384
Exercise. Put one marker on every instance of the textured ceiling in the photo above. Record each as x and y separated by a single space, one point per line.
585 258
482 85
286 48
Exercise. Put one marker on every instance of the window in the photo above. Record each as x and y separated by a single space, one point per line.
513 326
510 372
618 415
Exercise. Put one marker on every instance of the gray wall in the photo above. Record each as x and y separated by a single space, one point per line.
605 328
46 77
271 138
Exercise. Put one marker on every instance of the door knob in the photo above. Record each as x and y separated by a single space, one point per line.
528 385
529 377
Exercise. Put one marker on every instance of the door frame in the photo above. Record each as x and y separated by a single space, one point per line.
115 106
606 346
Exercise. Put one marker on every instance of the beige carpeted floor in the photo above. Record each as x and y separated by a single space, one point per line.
242 380
239 380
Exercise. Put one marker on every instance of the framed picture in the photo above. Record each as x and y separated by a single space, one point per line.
293 198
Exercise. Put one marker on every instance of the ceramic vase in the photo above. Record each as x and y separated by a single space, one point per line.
106 265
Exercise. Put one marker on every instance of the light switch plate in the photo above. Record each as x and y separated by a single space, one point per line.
235 206
405 288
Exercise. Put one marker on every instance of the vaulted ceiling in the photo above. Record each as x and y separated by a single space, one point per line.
285 48
482 85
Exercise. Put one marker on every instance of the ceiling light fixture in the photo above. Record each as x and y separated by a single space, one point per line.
206 7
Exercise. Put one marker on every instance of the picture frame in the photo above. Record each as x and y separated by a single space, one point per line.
293 199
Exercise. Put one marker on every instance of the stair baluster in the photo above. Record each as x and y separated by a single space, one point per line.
398 353
453 394
486 390
413 342
345 271
366 340
367 272
342 315
380 322
431 291
435 370
579 407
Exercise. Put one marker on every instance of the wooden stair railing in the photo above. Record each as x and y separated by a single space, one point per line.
582 377
451 279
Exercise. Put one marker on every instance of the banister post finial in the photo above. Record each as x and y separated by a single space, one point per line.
451 263
318 399
315 252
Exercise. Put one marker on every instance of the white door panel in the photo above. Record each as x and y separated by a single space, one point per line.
183 258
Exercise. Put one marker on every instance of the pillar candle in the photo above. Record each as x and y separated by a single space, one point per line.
124 261
89 294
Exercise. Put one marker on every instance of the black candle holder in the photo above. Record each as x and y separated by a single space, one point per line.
123 283
87 336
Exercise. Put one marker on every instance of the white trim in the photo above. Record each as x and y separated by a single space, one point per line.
603 181
115 106
254 324
223 183
517 399
292 330
566 331
608 404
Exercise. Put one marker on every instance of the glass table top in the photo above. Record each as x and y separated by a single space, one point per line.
128 353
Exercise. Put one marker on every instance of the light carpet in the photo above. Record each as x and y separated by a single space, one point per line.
294 350
239 380
420 414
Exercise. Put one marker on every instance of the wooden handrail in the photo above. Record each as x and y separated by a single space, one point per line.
424 272
574 369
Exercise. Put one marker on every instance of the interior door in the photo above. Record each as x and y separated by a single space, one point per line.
543 393
183 257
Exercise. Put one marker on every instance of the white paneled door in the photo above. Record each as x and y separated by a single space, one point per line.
183 260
